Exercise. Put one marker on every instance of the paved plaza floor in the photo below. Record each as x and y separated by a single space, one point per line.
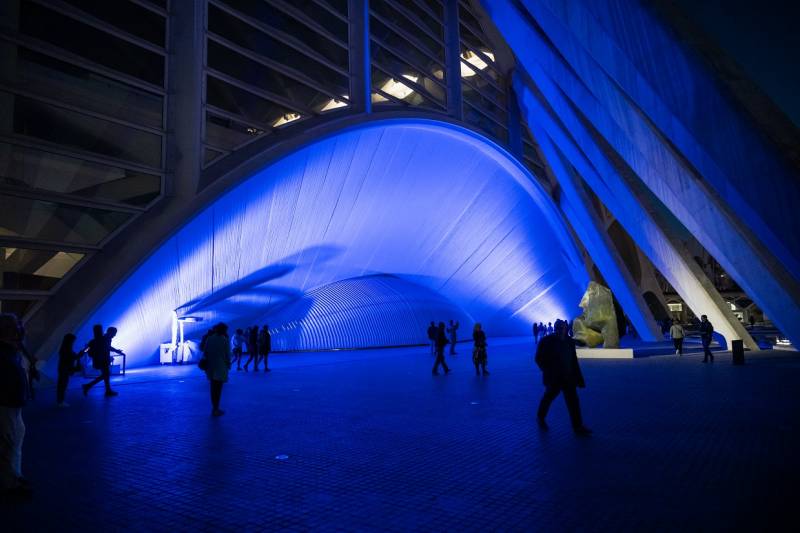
364 441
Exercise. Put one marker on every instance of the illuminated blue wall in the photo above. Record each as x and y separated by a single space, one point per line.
433 206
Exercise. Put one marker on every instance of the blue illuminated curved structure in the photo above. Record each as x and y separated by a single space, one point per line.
376 209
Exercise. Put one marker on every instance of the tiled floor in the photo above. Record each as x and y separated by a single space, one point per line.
374 442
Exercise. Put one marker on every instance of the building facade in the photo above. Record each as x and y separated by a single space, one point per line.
128 125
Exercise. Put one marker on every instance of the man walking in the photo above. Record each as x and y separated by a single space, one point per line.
265 346
558 361
440 342
535 333
706 336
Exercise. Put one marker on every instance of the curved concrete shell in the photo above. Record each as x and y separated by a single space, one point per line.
380 199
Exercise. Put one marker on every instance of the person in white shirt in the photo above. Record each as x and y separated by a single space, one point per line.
676 332
238 347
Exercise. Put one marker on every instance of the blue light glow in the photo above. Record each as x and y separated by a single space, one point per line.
401 221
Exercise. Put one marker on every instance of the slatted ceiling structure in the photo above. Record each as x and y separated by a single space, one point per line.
322 223
483 86
408 54
81 154
270 63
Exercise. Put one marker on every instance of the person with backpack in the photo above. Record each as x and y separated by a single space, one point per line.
100 349
432 337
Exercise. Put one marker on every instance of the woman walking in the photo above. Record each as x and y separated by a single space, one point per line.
479 350
218 362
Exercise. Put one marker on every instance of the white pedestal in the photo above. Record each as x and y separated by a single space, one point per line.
605 353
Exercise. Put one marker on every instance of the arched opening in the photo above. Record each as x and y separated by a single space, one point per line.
388 225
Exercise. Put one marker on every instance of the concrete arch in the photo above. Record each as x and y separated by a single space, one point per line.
380 198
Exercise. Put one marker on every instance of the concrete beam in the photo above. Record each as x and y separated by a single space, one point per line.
577 207
660 246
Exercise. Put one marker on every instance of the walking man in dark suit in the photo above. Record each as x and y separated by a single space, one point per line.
706 336
557 359
441 342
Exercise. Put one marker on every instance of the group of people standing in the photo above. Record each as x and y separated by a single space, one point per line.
540 330
440 336
257 344
219 351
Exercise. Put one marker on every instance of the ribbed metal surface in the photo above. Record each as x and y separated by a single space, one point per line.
362 312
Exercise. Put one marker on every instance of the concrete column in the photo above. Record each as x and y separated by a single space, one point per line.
185 95
590 72
9 20
360 72
577 206
452 52
655 240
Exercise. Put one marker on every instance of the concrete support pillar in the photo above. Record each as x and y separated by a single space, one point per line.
592 73
9 20
452 53
360 73
657 242
577 207
185 95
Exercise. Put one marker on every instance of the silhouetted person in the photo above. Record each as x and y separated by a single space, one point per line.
451 330
557 359
549 328
752 321
706 336
13 394
218 358
237 347
265 346
252 348
535 332
432 337
100 351
67 359
441 342
479 350
677 334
